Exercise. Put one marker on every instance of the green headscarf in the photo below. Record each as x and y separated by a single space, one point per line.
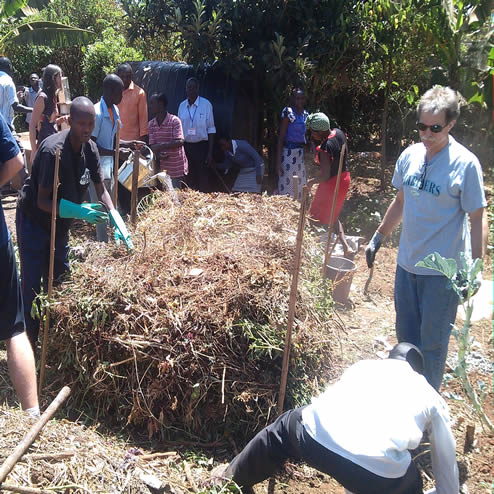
317 121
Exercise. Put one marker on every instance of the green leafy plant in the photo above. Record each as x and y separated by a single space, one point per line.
229 487
464 282
102 57
20 24
264 339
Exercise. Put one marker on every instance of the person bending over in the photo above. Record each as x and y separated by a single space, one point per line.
360 431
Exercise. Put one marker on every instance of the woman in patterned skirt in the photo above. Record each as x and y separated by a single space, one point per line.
291 142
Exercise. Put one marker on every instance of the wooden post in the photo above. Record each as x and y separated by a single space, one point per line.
295 187
293 298
116 162
135 185
30 437
24 490
54 206
331 216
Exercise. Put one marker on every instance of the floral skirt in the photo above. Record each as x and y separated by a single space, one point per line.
292 163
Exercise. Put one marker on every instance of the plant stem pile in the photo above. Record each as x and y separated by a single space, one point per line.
185 334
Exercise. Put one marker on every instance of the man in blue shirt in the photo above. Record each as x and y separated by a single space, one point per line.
20 355
105 129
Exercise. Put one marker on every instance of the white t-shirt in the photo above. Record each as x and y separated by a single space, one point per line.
435 216
197 119
8 97
378 411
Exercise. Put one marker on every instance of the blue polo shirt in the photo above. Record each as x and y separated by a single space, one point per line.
104 131
8 150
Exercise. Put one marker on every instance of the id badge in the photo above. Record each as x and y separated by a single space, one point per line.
192 132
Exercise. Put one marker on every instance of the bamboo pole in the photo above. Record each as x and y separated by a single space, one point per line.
295 187
32 434
23 490
54 206
135 185
116 162
293 298
327 254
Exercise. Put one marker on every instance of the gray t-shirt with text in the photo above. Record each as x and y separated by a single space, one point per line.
437 197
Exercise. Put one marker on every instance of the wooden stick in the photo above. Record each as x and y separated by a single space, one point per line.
469 438
295 187
330 253
220 178
190 478
293 298
31 436
331 216
54 206
48 456
23 490
135 185
116 161
153 456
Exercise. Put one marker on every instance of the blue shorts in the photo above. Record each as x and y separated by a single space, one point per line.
11 308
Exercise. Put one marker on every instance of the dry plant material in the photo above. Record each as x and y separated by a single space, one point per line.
68 457
186 333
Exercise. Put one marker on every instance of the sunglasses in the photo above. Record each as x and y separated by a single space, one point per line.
436 128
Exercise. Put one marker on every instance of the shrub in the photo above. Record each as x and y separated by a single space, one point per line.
102 57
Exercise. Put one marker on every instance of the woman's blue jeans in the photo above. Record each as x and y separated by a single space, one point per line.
426 308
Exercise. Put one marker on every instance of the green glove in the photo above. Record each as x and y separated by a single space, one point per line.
90 212
121 232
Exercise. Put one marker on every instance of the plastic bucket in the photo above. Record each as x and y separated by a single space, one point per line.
340 271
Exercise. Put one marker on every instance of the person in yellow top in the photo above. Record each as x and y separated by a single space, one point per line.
133 108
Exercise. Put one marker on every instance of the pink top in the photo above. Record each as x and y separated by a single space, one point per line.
172 160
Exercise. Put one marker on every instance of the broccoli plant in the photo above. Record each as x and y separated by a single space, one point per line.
465 282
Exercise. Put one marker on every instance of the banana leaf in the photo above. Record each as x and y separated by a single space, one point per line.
48 33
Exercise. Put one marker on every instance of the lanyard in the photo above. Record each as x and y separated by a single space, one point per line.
195 111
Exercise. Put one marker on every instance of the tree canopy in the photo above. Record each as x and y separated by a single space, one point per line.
363 62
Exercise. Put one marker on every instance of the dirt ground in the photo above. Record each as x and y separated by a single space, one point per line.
366 323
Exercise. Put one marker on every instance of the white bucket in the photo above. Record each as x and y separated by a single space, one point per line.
340 271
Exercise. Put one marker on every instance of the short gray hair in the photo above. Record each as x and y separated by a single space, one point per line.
438 99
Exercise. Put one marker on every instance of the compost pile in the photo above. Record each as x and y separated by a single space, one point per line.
186 333
68 457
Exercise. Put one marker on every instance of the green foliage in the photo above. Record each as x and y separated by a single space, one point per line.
102 57
93 15
464 283
463 278
461 34
263 339
229 487
26 60
21 22
96 15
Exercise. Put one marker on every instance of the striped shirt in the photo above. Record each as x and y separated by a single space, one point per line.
172 160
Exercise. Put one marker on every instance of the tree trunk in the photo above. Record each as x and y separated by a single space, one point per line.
384 121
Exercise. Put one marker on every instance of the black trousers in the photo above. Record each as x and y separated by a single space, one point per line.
199 176
286 438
